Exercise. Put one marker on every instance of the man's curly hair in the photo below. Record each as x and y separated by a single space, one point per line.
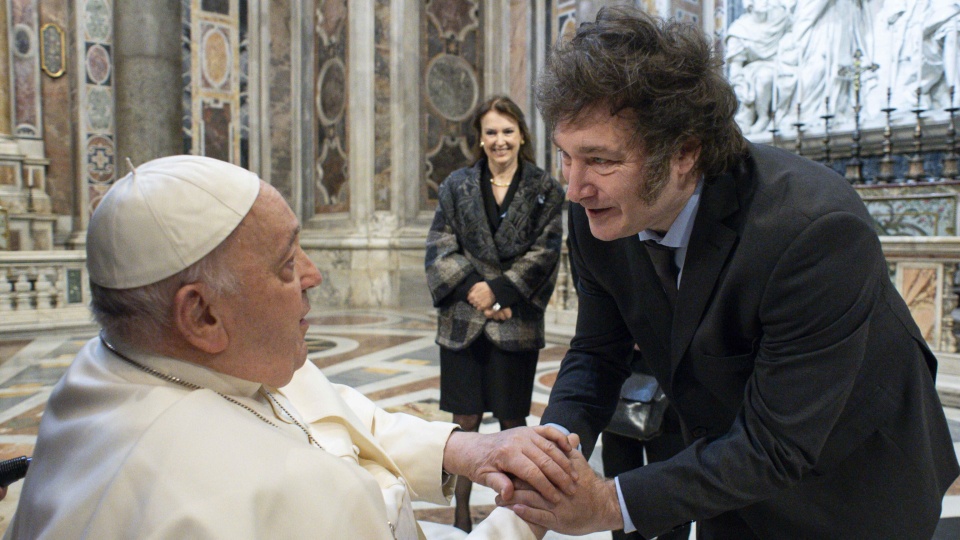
664 73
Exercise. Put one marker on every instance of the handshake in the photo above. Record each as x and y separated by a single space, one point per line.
539 474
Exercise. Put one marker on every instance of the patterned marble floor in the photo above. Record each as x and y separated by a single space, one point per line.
388 355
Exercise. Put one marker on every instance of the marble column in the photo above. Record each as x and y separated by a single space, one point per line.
148 79
5 121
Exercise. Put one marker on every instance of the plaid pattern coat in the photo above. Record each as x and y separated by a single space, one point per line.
525 250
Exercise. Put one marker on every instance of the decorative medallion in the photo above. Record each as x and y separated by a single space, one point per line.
52 50
331 91
97 23
99 109
22 40
100 159
98 64
452 86
216 58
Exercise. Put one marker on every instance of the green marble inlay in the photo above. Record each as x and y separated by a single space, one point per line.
74 287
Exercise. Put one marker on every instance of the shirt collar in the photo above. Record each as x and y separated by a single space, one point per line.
678 236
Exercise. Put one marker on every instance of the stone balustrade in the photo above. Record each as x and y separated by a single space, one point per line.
43 290
49 289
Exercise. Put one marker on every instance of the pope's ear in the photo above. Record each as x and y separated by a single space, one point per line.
198 320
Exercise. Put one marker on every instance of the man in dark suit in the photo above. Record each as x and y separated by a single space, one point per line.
804 388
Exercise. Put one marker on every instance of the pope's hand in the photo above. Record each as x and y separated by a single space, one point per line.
593 506
536 455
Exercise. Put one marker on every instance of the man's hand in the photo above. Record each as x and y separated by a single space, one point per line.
536 455
498 315
592 507
481 296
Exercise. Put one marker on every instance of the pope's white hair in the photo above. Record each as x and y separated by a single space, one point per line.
145 315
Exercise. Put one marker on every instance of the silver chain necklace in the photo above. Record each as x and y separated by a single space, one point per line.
190 385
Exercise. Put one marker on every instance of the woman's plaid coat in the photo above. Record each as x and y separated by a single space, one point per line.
525 250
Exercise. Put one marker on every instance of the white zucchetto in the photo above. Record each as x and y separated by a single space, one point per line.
164 216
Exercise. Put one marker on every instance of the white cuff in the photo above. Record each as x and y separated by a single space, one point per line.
627 522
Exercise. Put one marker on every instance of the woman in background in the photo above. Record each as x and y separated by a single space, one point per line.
491 261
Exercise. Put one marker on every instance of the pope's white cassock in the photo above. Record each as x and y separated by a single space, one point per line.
122 453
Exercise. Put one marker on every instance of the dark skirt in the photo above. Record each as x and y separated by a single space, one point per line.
483 378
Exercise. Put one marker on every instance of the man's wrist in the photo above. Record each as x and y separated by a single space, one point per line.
613 518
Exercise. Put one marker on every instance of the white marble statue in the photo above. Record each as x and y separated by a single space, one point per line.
915 44
826 35
784 52
752 51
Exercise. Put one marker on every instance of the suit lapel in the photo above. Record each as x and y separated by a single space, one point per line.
710 244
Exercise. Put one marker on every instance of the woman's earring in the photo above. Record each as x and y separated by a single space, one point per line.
481 144
522 141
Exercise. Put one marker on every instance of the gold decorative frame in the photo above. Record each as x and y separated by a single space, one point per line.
51 29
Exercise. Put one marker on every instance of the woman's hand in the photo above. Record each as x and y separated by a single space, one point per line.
481 296
498 315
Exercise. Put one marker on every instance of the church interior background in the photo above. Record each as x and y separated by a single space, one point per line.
356 111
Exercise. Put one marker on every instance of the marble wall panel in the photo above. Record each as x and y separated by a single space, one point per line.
920 285
520 54
216 6
331 94
96 98
375 289
451 47
9 174
373 277
412 281
280 106
335 267
25 43
186 33
214 55
5 94
216 128
916 215
382 191
687 11
566 18
58 129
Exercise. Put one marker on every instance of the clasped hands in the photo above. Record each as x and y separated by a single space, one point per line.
539 474
481 297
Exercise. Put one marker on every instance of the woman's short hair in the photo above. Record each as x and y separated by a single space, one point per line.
505 106
665 73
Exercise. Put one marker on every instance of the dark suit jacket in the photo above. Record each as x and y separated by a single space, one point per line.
804 387
525 251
